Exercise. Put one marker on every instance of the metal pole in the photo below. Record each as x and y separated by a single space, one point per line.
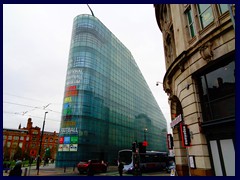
145 136
90 10
39 151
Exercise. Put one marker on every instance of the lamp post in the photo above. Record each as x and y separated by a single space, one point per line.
145 138
40 147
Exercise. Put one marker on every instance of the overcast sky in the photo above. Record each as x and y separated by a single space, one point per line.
36 42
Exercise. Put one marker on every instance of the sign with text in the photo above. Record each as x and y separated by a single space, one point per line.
169 141
176 121
68 130
185 134
69 124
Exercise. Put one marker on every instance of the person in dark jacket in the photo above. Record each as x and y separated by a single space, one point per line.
17 170
90 171
120 168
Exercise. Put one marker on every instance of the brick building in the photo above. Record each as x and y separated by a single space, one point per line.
27 141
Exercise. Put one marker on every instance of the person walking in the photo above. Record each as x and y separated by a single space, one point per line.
120 168
90 171
17 170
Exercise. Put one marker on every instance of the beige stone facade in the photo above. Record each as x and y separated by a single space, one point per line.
199 43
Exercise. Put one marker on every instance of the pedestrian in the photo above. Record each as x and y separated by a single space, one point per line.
120 168
90 171
17 170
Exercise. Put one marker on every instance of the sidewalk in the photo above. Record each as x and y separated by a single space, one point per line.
49 170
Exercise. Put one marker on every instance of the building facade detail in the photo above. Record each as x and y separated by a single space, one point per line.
200 83
23 143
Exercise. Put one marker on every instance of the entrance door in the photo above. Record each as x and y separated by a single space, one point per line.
223 155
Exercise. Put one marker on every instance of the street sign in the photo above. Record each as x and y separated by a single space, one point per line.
176 121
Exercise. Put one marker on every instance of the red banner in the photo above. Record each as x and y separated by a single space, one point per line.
61 140
71 93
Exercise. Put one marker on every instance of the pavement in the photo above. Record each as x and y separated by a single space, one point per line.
51 170
48 170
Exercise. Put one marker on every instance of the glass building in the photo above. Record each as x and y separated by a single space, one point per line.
107 103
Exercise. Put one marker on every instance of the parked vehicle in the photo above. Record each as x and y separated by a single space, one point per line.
97 166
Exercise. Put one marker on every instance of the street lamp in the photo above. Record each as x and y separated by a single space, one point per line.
39 151
145 130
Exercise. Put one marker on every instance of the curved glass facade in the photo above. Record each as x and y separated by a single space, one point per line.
107 103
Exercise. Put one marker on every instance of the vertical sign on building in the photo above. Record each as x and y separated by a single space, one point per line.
169 141
185 134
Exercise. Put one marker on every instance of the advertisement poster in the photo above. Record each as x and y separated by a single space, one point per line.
60 147
74 140
73 147
65 147
67 140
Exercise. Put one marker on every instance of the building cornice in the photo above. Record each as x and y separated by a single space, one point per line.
204 46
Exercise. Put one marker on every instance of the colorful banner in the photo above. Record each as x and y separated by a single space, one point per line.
73 147
60 147
61 140
71 88
71 93
74 139
66 140
68 99
66 147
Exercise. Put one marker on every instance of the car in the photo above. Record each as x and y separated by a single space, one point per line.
97 166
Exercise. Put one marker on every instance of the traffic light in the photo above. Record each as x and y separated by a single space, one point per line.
145 143
142 149
134 146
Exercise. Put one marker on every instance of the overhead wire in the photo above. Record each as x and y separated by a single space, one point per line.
31 116
36 107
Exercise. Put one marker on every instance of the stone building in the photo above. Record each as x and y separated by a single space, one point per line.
199 47
27 139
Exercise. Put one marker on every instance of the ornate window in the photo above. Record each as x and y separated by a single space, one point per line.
205 14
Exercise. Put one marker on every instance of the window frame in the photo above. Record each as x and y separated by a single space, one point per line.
200 15
189 12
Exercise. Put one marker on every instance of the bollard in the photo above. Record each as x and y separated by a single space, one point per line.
64 169
25 172
74 167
